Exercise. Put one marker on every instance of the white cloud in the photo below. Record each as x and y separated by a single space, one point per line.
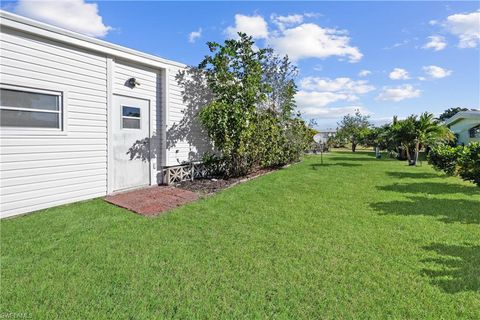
436 72
254 26
399 74
332 113
398 44
364 73
466 26
399 93
75 15
297 39
315 99
316 94
312 14
345 85
433 22
194 35
286 21
309 40
436 43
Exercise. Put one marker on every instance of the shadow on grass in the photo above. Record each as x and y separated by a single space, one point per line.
314 166
414 175
431 188
446 210
357 159
457 269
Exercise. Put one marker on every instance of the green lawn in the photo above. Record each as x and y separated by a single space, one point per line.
352 238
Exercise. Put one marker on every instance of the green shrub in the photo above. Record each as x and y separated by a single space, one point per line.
214 165
445 158
462 161
233 73
469 163
268 140
279 141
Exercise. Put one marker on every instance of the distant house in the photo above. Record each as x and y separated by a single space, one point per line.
466 126
327 133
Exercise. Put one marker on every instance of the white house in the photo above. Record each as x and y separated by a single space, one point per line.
466 126
325 134
82 118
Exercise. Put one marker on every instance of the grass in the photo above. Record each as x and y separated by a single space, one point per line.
355 237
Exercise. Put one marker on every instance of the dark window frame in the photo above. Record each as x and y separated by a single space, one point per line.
474 132
123 117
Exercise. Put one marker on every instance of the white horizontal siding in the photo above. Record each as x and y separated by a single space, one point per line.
22 168
47 172
40 44
86 191
182 149
42 182
38 57
42 171
148 79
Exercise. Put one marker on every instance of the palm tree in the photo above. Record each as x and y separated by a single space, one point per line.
413 133
428 131
403 133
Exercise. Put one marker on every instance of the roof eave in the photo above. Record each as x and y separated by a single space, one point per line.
79 40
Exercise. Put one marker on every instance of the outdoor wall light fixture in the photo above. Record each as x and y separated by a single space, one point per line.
132 83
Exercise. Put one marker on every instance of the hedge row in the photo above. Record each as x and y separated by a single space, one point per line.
463 161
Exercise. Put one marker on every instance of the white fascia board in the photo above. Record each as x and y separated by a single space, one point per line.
17 22
463 115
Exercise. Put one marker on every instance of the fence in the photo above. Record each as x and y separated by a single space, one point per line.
184 172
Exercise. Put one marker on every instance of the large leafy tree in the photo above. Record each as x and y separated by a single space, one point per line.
279 74
250 114
353 128
234 75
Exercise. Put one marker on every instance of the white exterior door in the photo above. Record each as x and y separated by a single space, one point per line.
131 147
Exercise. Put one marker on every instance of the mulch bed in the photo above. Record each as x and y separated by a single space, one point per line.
152 201
204 187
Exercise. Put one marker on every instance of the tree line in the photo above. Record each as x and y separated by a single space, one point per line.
404 139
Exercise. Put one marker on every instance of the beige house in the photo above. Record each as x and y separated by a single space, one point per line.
466 126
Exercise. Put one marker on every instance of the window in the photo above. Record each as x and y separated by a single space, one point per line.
30 108
474 132
130 117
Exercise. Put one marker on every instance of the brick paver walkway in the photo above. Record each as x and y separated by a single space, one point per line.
153 200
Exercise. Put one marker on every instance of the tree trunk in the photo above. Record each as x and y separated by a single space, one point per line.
411 162
417 151
408 155
354 146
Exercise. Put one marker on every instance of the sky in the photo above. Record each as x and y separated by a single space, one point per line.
383 58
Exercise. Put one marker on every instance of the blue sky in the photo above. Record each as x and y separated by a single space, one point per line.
416 56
